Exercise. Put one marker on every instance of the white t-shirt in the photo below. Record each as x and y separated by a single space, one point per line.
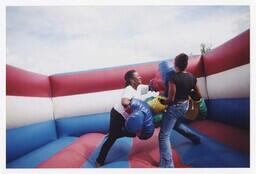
129 92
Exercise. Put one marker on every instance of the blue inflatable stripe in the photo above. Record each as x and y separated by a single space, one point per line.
209 153
117 156
77 126
234 112
33 159
22 140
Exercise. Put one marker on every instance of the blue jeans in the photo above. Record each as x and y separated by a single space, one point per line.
173 113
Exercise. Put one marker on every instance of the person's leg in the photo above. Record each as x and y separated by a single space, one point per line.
125 133
167 125
186 132
173 113
105 148
115 129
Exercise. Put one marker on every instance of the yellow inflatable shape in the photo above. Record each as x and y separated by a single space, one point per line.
156 105
193 110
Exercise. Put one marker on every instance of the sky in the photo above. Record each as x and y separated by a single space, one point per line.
59 39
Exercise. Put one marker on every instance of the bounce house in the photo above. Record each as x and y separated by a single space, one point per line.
61 120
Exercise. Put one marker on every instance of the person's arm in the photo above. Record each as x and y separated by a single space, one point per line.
171 94
127 95
195 93
197 90
125 102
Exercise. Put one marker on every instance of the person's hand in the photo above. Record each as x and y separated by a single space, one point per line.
163 101
153 85
128 109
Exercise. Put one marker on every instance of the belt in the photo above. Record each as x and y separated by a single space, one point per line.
180 102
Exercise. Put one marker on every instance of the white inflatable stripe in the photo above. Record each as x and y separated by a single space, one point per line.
22 111
92 103
84 104
233 83
201 82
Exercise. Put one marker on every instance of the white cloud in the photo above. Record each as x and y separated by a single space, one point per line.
62 39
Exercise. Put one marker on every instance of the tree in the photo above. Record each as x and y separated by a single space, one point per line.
204 48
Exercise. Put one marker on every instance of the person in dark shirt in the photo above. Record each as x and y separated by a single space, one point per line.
180 86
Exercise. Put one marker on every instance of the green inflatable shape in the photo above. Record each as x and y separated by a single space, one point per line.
158 118
202 108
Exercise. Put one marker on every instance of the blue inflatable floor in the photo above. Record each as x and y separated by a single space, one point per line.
209 153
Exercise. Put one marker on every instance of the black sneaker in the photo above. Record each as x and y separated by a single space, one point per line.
97 165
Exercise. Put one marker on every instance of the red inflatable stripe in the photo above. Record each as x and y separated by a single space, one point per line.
195 66
37 85
98 80
177 161
24 83
145 154
32 84
233 53
234 137
74 155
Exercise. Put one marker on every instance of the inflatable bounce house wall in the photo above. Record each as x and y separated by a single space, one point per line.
60 121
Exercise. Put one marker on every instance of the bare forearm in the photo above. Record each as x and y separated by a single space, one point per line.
198 92
171 94
125 102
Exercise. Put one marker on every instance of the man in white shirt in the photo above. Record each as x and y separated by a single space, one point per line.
120 112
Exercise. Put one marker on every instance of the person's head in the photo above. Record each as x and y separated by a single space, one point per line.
181 62
132 78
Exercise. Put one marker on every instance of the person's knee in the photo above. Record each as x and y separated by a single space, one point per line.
163 135
112 137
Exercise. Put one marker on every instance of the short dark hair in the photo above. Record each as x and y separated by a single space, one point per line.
181 61
128 76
